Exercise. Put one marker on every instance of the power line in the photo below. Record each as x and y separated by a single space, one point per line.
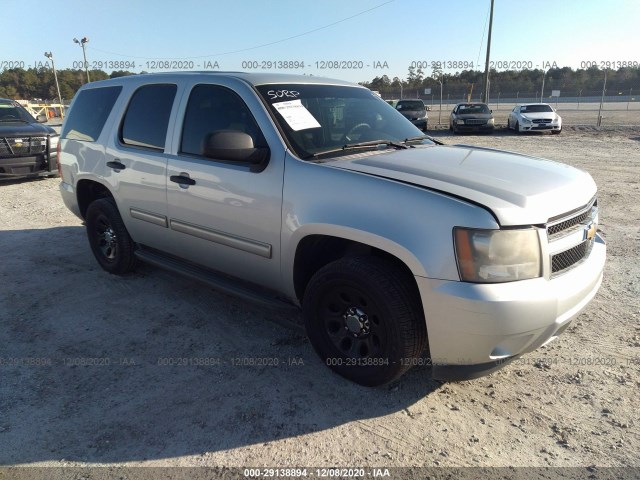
254 47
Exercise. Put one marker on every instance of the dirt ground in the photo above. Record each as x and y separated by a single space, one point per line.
84 376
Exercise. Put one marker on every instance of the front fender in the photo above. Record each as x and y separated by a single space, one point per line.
409 222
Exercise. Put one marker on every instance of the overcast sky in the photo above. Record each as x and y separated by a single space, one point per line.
362 32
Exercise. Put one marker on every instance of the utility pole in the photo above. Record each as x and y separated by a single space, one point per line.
485 90
82 42
49 55
604 87
629 99
544 74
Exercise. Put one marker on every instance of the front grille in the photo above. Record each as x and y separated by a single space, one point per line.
475 122
542 120
21 146
568 224
563 260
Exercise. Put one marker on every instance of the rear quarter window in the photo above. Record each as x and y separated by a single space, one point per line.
90 111
147 118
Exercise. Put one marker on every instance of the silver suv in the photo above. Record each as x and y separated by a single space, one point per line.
316 193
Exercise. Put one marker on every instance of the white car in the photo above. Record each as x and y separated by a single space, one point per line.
534 117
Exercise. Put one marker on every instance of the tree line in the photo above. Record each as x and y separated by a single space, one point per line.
589 81
39 83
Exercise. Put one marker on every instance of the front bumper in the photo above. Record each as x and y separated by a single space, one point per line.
420 122
29 166
539 127
475 128
474 329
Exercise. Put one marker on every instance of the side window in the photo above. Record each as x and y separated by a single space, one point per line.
212 108
90 111
146 120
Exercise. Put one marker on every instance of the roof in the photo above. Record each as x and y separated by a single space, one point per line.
259 78
528 104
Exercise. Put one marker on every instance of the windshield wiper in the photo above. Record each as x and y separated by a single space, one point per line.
423 137
356 146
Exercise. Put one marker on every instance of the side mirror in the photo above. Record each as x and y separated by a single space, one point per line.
235 146
41 119
490 111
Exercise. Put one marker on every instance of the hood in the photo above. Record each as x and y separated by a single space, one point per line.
534 115
413 113
484 116
518 189
13 129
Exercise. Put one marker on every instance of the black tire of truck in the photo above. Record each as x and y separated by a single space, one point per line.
110 242
363 316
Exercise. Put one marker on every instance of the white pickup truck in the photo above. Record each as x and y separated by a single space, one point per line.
315 192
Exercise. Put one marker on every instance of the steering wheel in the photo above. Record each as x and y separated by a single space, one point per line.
360 128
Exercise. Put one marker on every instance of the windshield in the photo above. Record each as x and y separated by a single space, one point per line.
467 109
414 105
14 112
535 109
323 118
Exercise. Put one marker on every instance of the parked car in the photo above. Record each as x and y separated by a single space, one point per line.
27 148
392 244
532 117
414 110
471 117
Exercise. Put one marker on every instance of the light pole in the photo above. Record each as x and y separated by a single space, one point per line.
82 42
440 112
629 99
544 74
49 55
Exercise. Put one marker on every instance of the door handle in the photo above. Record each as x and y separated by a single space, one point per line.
116 165
183 180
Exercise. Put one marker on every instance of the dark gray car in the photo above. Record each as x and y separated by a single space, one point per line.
413 110
471 117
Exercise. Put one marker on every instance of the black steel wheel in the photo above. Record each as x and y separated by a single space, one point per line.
364 318
108 237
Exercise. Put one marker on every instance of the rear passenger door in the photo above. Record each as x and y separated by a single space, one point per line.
229 219
137 163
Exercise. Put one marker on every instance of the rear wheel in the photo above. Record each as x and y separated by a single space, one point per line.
108 237
364 318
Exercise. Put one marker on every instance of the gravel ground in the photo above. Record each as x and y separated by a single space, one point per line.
568 404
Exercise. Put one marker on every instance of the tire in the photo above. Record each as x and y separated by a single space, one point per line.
450 127
108 237
508 124
364 318
517 127
556 132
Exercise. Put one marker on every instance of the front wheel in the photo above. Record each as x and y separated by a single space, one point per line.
108 237
364 318
556 132
517 127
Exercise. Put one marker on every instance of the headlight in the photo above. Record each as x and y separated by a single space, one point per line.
491 121
53 142
493 256
525 120
460 121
